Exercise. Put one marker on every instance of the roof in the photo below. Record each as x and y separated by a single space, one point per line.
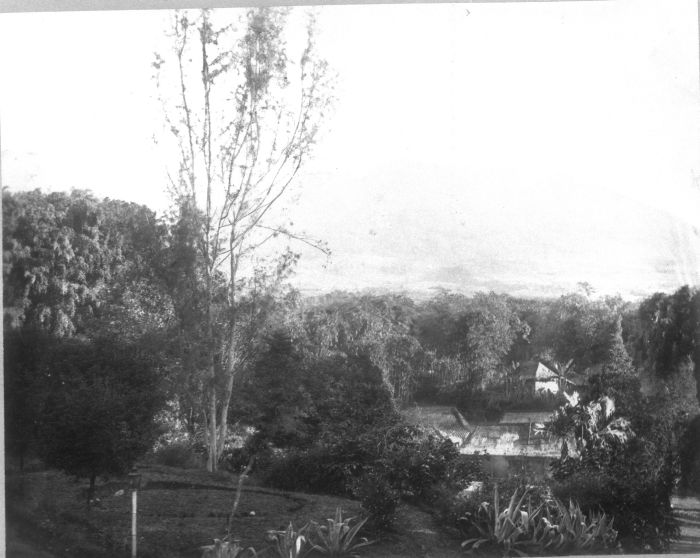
576 379
535 370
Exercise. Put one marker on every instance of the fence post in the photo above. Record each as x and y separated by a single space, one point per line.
135 479
133 523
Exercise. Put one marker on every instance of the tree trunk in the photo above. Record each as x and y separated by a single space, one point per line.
231 362
223 419
212 456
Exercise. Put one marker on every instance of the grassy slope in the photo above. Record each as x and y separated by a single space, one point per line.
180 510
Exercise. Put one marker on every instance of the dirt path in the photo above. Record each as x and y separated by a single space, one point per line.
687 510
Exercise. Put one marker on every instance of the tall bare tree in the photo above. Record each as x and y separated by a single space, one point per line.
242 114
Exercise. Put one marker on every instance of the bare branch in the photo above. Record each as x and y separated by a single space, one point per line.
183 93
313 243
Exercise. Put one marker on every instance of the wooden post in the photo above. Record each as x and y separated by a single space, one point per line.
133 522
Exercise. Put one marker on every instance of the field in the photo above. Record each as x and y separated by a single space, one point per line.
181 510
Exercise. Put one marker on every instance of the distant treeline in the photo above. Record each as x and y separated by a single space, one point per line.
76 267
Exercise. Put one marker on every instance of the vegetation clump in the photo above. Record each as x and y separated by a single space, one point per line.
551 528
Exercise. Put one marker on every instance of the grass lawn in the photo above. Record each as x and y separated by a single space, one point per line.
180 510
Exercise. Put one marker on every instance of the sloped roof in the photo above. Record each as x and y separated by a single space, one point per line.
535 370
576 379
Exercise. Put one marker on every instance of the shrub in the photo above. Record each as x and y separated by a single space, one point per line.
629 473
413 462
337 538
549 528
235 460
319 469
178 454
226 549
455 502
640 506
464 470
690 456
97 417
494 411
452 508
379 500
290 543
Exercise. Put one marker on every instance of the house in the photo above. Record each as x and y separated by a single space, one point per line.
538 378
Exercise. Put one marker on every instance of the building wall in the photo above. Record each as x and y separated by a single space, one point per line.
551 386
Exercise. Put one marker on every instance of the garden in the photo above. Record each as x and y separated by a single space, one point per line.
174 355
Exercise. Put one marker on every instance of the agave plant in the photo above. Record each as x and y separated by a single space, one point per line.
550 528
577 532
290 543
510 529
226 549
337 537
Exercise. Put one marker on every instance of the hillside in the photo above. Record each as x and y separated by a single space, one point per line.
181 510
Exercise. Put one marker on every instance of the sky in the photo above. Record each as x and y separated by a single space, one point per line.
520 148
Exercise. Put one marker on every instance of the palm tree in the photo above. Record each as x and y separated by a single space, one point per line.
562 371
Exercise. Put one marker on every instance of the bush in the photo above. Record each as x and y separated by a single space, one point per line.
227 549
336 538
413 462
379 500
178 454
464 470
321 469
461 497
641 506
290 543
627 473
97 417
690 457
236 459
551 527
451 508
300 471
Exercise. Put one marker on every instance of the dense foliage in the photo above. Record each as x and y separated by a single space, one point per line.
84 315
107 314
549 528
329 421
89 405
622 461
72 263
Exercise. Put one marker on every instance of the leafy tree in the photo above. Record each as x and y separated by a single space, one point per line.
403 361
71 261
275 391
73 266
242 115
435 324
622 461
53 262
375 326
577 327
618 360
669 330
472 339
23 388
97 414
486 333
667 347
